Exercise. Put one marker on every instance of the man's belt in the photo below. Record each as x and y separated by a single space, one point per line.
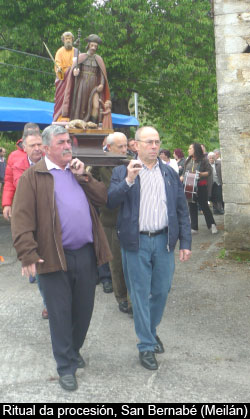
154 233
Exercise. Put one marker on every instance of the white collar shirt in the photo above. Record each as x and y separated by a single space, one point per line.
153 215
50 165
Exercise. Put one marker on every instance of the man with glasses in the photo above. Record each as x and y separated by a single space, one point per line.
153 216
56 232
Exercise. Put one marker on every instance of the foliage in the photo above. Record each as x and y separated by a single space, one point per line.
8 145
25 25
241 256
222 254
162 49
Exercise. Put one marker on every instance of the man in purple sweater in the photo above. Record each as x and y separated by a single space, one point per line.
56 232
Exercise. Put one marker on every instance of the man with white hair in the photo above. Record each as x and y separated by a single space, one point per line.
217 154
116 143
56 232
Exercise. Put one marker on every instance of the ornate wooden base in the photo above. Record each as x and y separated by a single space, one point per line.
92 157
87 147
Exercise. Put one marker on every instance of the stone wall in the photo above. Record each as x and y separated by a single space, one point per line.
232 39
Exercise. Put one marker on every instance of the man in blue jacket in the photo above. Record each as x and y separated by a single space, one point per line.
153 216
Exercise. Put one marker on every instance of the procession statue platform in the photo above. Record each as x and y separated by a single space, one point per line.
87 146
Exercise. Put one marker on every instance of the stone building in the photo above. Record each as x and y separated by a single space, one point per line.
232 43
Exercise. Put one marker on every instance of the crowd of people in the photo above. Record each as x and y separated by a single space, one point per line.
208 190
73 227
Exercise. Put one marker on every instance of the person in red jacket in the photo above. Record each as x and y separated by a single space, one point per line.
15 157
9 189
28 154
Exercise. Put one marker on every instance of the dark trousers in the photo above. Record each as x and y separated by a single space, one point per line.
104 273
118 281
69 299
216 197
203 202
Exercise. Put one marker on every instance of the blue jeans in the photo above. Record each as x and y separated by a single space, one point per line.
148 275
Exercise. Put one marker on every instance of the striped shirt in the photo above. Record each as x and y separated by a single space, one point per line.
153 214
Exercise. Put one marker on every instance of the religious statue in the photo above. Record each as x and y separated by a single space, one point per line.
63 62
106 114
64 55
87 83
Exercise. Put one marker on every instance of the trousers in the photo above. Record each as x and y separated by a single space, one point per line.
148 274
193 208
118 281
69 298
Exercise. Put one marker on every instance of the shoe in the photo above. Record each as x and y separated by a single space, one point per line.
80 362
45 315
147 360
32 279
194 231
123 306
218 211
107 287
214 229
159 348
68 382
130 312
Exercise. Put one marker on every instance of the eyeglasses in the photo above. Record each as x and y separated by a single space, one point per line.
151 142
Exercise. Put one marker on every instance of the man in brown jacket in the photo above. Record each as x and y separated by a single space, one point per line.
56 232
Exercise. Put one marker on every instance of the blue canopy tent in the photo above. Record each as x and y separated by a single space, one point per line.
16 112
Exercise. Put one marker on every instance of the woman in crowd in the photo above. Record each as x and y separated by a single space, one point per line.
197 161
179 157
165 157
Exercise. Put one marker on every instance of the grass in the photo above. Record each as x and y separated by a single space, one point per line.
222 254
242 256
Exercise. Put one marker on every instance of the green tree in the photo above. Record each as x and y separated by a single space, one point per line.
25 24
162 49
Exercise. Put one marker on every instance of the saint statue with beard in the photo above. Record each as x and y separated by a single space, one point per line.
86 84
